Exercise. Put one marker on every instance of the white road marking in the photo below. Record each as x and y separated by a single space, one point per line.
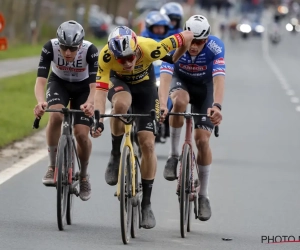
282 80
27 162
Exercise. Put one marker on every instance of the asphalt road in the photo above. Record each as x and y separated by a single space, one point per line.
254 181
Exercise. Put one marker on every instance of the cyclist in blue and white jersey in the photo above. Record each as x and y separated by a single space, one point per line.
198 77
157 27
175 12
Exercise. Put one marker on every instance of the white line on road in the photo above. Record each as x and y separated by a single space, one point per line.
27 162
282 80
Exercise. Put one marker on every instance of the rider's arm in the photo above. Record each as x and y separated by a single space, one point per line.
218 72
166 72
92 60
43 71
102 80
180 42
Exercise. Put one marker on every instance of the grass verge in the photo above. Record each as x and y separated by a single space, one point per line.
18 100
26 50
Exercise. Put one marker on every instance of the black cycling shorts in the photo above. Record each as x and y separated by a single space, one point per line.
62 92
144 98
201 98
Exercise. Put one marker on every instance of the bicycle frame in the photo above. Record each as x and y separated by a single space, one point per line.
67 137
128 143
188 140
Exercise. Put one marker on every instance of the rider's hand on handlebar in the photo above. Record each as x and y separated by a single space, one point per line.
39 109
88 109
96 133
164 112
215 115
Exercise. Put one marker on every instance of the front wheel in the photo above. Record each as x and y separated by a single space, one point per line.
74 178
62 187
185 189
135 209
125 195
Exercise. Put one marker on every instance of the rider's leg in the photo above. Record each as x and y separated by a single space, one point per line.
180 99
55 88
145 98
202 133
120 97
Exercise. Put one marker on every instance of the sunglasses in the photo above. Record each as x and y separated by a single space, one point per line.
198 41
125 59
65 48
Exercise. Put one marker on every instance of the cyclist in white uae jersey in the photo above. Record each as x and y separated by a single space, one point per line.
198 78
74 67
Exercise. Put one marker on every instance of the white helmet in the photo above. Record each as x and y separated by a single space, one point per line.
199 26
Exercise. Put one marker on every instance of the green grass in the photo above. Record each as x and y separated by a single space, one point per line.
26 50
18 100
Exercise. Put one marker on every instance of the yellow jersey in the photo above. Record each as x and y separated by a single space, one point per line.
150 51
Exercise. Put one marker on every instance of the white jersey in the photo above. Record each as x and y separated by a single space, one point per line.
75 71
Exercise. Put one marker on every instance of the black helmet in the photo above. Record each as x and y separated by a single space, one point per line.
70 33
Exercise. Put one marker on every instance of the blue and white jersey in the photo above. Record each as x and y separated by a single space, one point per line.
208 63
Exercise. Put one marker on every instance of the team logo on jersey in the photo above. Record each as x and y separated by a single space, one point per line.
219 61
106 56
214 47
193 67
155 53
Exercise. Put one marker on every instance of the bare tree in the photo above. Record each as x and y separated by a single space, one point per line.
36 22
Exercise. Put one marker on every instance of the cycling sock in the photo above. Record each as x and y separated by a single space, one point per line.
83 170
203 178
52 151
147 189
116 143
175 137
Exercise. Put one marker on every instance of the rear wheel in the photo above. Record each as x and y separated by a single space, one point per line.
62 187
125 195
185 189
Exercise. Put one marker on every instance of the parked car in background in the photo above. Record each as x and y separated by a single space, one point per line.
147 5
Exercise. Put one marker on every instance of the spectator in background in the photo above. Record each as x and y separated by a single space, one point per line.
175 12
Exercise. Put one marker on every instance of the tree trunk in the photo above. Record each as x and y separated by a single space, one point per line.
36 20
26 21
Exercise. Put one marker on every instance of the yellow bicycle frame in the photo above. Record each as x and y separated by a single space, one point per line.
127 143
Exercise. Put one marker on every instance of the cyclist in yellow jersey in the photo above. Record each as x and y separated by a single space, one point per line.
126 72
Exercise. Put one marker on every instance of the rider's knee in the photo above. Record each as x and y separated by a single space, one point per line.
81 136
202 140
180 100
55 118
146 144
121 104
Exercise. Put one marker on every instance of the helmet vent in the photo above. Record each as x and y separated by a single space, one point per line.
203 31
123 44
75 37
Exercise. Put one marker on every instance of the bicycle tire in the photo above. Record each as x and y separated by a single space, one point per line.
184 196
70 200
62 187
135 210
125 201
189 222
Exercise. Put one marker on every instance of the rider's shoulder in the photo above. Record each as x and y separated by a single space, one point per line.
86 44
215 39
